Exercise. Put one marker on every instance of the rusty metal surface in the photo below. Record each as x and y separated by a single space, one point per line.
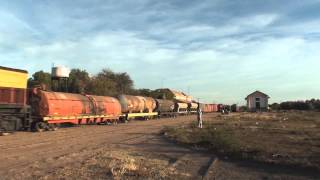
104 105
214 107
150 104
206 108
165 105
132 104
142 99
12 96
46 103
209 107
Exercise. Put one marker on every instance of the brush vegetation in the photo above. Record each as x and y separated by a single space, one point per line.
287 138
221 140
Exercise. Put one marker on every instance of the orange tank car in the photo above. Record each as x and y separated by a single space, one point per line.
57 107
47 104
104 105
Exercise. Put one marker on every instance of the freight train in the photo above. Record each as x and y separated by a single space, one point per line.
39 110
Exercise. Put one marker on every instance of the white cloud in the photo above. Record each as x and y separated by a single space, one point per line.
212 73
256 21
219 56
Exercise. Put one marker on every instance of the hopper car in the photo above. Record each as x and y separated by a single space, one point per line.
192 108
181 108
38 110
165 108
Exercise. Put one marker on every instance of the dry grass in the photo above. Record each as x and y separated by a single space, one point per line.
286 138
220 140
118 165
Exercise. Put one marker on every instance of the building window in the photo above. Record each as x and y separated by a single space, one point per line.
257 99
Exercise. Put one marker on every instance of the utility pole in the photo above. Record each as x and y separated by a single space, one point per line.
162 81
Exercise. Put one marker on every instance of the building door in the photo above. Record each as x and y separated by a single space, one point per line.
258 106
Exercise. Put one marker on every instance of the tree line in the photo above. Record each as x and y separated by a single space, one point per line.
104 83
109 83
308 105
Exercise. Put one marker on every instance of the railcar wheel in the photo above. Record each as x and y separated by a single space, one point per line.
56 126
115 122
53 127
40 127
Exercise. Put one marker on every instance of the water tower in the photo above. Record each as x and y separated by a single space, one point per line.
59 78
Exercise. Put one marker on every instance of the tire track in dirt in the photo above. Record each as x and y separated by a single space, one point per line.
211 169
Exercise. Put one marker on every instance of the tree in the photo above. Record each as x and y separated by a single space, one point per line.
149 93
124 83
142 92
101 86
40 78
78 81
105 83
308 105
317 105
108 83
234 108
243 108
275 106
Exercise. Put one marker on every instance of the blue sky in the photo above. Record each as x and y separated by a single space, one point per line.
218 50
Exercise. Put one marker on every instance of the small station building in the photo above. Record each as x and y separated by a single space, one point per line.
257 101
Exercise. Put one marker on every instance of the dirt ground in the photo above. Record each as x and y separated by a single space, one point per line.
135 150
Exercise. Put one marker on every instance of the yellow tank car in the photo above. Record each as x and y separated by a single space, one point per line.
13 78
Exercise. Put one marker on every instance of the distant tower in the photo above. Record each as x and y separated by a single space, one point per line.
59 78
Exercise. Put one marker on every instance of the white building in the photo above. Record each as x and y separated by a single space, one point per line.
257 101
